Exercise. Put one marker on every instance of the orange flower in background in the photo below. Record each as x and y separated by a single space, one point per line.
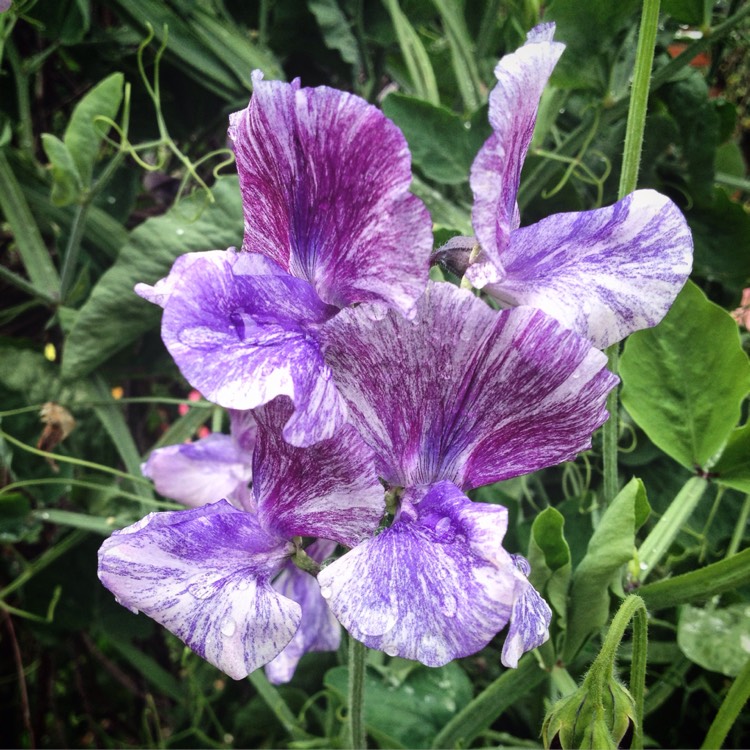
742 313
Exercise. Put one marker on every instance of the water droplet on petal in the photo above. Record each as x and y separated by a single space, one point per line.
391 649
243 586
228 627
443 525
326 591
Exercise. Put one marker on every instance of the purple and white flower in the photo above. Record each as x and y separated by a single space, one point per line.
329 223
207 574
603 273
461 397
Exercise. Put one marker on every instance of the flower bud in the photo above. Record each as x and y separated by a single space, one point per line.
584 720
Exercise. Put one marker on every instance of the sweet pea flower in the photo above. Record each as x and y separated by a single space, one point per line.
216 576
329 223
461 397
603 273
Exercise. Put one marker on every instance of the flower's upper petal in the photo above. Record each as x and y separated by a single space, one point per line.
435 586
319 629
329 490
202 472
325 185
496 172
205 575
604 273
466 393
242 338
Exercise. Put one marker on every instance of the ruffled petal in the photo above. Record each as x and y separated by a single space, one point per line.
205 574
242 332
435 586
329 490
319 629
604 273
325 184
202 472
465 393
496 172
529 619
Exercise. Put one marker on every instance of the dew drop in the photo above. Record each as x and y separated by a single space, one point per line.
180 232
243 586
134 610
326 591
228 627
442 526
391 650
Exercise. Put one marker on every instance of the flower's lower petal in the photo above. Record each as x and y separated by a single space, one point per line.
205 574
325 181
319 629
329 490
529 619
435 586
242 339
496 172
195 474
466 393
604 273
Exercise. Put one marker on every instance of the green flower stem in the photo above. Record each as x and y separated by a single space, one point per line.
739 529
602 670
506 690
357 736
277 705
666 530
698 585
75 461
729 711
628 180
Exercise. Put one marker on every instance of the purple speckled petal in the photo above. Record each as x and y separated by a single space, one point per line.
602 273
202 472
496 171
243 427
529 620
325 184
327 490
465 393
435 586
242 338
319 629
205 575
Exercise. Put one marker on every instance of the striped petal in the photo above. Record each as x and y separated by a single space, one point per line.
435 586
465 393
325 185
205 575
329 490
496 172
604 273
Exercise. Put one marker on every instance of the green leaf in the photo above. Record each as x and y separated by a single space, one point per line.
690 12
97 524
445 214
733 468
408 713
442 144
114 315
716 639
684 381
610 548
549 557
336 30
66 180
162 680
83 136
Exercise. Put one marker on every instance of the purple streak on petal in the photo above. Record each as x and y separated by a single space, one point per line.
242 339
202 472
604 273
496 171
162 290
319 629
205 575
435 586
327 490
465 393
529 619
325 184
